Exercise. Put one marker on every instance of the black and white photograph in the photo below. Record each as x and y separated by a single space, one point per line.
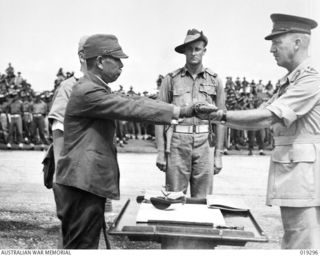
159 126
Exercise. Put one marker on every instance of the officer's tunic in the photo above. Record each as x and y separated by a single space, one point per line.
87 170
294 174
88 159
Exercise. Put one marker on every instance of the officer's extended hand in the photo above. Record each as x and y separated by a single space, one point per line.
215 115
204 108
197 109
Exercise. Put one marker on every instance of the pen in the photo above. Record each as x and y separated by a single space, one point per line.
229 227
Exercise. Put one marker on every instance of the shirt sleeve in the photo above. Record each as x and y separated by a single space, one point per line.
165 95
60 101
221 97
164 91
57 125
95 102
298 100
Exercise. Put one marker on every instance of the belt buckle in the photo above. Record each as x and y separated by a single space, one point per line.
194 129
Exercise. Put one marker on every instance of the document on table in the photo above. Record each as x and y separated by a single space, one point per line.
184 214
226 203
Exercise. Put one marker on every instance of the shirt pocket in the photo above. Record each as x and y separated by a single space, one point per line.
208 92
294 171
181 95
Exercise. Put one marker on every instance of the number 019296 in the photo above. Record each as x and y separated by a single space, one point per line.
309 252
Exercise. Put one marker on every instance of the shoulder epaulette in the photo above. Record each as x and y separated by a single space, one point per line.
311 70
175 73
211 73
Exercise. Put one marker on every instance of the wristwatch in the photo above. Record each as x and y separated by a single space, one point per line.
223 119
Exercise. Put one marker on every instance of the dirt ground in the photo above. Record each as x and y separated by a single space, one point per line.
27 209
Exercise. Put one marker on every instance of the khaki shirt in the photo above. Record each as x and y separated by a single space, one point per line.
3 107
26 106
39 108
61 99
15 107
181 89
294 174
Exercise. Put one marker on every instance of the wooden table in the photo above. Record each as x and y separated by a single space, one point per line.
186 236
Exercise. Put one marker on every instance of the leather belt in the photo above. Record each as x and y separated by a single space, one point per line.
15 115
191 128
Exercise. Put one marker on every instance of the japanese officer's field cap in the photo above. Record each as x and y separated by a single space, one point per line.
193 35
103 45
283 23
81 43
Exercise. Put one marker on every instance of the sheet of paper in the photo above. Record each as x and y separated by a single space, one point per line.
225 202
194 213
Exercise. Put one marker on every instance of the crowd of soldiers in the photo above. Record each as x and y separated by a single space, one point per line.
132 130
23 112
243 95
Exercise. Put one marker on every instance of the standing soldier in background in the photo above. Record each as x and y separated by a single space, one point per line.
244 84
255 136
268 131
15 112
10 74
47 99
260 86
144 125
18 80
39 110
187 152
269 89
238 84
27 117
294 113
3 117
231 136
134 127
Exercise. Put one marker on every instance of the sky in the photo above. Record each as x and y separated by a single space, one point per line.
40 36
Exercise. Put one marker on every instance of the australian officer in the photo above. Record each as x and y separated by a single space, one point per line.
184 151
87 170
294 114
